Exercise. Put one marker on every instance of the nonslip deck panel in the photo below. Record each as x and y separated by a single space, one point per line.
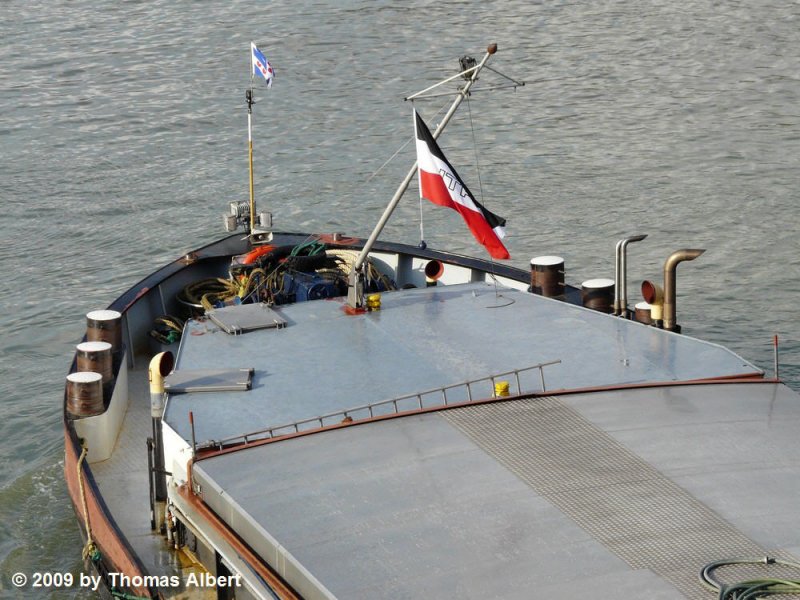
325 360
625 503
559 495
406 509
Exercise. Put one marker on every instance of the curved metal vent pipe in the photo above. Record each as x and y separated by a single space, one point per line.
670 267
621 275
161 365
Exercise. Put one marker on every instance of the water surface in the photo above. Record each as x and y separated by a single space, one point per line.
123 138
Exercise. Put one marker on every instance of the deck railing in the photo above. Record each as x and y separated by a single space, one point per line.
408 402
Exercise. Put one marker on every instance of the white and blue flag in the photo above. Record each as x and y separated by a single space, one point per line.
261 66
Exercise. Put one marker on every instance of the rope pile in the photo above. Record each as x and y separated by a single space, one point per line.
264 279
753 588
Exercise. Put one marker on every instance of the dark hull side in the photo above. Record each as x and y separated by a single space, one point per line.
115 554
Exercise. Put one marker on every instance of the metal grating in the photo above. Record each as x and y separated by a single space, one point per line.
626 504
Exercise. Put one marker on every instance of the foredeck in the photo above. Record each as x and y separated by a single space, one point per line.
628 491
325 360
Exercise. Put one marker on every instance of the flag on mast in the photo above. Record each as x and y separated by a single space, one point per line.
440 183
260 65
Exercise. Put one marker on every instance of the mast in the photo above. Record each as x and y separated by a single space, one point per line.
355 293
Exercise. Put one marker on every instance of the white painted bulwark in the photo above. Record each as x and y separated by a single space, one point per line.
100 432
177 453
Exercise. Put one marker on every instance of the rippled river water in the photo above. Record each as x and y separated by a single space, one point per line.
123 138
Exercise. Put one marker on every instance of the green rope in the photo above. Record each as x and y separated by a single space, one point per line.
760 588
167 329
95 558
754 588
314 247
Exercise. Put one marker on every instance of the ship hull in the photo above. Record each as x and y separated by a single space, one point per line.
226 526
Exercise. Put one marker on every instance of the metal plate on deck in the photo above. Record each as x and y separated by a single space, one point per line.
209 380
634 510
633 490
435 334
242 318
417 509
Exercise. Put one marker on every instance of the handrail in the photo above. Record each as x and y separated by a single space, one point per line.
345 415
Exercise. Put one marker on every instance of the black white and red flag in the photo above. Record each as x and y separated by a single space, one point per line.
440 183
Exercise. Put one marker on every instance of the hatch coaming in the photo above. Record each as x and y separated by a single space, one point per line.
526 494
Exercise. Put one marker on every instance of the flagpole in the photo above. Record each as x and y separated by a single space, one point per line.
249 95
356 302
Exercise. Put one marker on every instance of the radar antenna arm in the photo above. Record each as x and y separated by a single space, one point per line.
355 295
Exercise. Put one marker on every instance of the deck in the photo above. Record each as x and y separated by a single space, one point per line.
624 490
325 360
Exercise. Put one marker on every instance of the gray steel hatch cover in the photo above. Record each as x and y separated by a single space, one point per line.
242 318
208 380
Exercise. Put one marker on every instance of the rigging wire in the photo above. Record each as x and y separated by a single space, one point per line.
401 148
391 158
421 224
422 243
475 148
480 184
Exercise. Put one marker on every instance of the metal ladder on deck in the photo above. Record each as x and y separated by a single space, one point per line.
408 402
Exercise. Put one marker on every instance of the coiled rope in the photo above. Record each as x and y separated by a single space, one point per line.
308 248
754 588
347 259
167 329
208 291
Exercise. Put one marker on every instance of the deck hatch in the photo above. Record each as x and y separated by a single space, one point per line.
242 318
627 490
433 333
209 380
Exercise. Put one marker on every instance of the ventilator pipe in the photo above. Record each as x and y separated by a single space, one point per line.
621 274
654 296
670 267
160 366
617 273
433 271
